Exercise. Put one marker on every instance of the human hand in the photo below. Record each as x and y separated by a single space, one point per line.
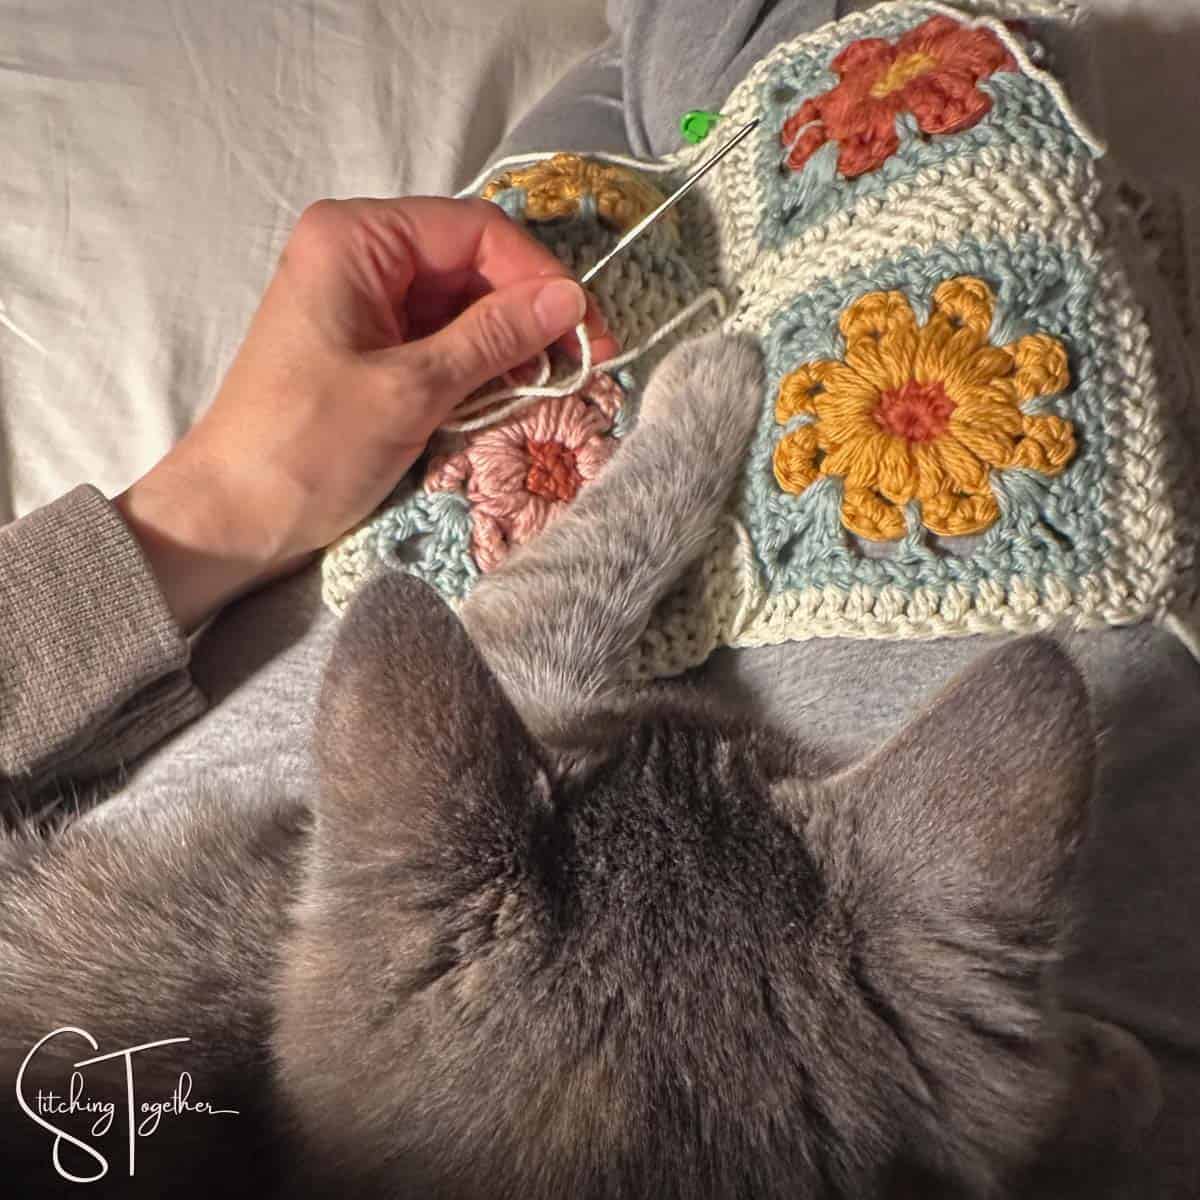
382 317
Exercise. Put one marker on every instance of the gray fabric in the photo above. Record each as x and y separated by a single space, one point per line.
1137 960
663 60
92 664
586 105
260 667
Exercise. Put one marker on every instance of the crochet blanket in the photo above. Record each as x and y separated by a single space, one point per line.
967 427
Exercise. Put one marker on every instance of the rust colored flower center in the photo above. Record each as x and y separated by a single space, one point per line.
903 70
917 412
552 471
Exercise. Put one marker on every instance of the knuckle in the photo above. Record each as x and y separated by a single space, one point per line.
318 225
487 211
320 215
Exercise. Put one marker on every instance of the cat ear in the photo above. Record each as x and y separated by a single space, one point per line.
417 745
981 801
945 857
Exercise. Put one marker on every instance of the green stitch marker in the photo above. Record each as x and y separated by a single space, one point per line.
698 124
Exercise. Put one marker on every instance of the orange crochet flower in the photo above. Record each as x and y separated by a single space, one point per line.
923 413
933 72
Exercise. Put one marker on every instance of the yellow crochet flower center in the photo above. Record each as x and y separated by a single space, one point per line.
555 187
923 413
903 70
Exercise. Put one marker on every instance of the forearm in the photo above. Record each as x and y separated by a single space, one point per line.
93 666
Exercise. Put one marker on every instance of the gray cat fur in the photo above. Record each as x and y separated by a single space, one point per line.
549 934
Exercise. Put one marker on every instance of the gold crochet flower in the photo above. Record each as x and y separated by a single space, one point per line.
555 187
923 413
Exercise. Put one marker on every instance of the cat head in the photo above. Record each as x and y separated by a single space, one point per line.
666 959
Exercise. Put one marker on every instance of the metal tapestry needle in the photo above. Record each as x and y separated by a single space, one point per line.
670 201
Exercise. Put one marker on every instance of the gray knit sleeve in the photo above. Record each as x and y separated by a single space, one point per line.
93 668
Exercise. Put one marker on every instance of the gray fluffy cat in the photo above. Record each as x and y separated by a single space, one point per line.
550 936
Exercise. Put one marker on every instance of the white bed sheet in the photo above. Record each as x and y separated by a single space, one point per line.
155 154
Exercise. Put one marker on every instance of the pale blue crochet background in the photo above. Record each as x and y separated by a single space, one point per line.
1048 526
1022 113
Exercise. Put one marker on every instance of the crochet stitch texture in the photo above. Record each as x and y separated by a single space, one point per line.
966 426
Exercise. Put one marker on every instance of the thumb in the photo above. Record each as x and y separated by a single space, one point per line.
499 332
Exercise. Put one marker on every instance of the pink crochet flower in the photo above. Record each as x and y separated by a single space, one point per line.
522 473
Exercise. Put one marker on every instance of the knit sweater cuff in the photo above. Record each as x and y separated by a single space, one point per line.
93 668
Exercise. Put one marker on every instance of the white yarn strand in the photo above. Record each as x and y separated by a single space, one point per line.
712 296
523 397
520 398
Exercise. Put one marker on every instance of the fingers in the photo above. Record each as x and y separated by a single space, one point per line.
461 250
494 335
430 308
604 345
448 238
406 268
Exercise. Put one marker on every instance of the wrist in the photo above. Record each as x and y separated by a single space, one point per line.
198 539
